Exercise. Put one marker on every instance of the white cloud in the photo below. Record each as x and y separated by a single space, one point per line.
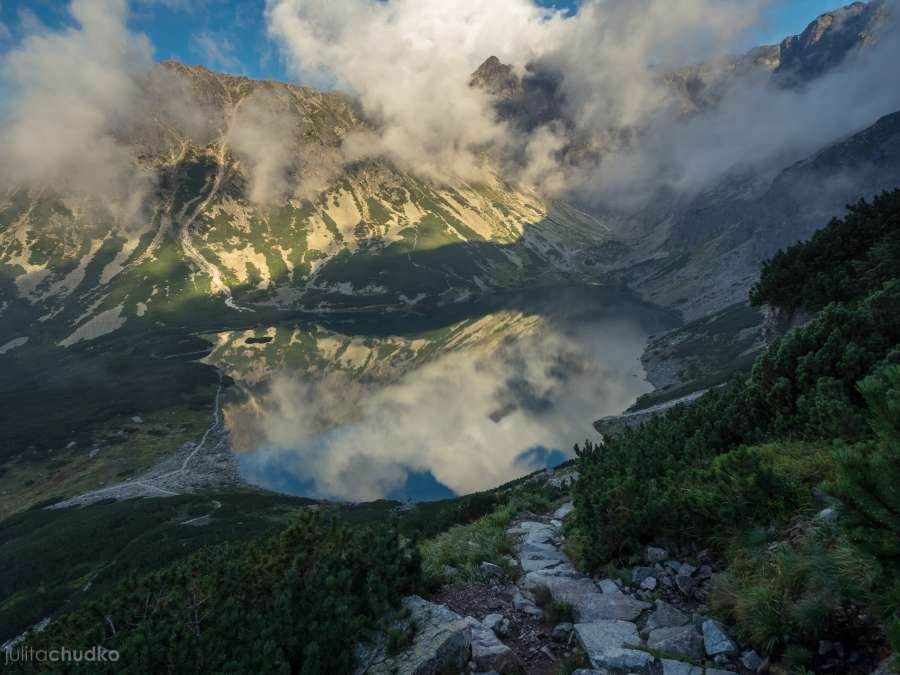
72 91
409 63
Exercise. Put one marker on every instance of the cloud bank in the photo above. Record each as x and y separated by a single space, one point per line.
622 132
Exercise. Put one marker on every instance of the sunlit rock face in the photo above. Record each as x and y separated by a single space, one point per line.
245 192
361 411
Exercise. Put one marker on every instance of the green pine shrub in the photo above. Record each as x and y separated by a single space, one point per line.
779 599
290 603
868 487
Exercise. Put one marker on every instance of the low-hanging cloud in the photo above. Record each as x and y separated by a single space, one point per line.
71 92
622 132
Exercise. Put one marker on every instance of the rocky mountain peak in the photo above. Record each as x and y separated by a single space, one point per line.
830 39
497 78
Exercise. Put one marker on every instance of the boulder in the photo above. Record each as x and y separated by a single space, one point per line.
442 642
590 671
610 644
716 640
673 667
666 616
648 584
679 640
488 653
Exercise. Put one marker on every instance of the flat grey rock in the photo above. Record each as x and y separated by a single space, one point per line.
587 601
537 564
666 616
610 644
677 640
564 510
673 667
609 586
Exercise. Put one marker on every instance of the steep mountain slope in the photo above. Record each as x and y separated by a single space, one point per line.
712 246
252 202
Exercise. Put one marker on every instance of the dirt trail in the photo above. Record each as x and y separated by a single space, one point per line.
205 464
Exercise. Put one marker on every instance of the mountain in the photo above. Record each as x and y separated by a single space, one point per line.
250 202
706 253
251 205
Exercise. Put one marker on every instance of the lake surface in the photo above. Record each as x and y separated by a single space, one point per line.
432 404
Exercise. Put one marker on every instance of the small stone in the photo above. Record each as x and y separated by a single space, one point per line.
648 584
608 586
523 604
673 667
488 653
828 515
686 570
654 554
716 640
751 661
638 574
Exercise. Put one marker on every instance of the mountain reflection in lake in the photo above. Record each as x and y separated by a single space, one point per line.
436 404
